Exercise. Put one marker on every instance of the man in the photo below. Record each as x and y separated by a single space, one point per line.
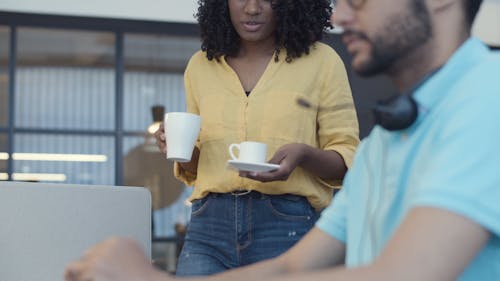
421 199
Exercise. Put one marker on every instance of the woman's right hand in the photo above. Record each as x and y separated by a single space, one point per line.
161 142
161 139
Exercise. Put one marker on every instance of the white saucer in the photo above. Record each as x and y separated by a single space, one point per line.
252 167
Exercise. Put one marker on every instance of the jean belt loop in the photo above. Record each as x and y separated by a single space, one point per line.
240 192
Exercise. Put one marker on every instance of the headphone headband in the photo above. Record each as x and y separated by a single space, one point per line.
396 113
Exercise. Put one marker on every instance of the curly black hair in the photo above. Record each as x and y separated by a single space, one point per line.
300 23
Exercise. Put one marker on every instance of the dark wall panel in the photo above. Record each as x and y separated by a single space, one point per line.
366 91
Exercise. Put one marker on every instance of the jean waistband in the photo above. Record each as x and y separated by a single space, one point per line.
256 194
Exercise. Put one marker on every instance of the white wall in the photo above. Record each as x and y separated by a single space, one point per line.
157 10
487 24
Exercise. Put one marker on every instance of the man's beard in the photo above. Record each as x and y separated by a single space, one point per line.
401 35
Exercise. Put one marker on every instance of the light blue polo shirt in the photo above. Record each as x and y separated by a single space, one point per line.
449 158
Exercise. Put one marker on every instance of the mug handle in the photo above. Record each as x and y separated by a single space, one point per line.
231 148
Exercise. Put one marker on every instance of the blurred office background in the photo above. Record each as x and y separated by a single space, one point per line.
79 82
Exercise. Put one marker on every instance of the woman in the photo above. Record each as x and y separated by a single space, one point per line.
258 58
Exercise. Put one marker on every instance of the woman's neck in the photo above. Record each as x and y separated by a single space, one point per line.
257 49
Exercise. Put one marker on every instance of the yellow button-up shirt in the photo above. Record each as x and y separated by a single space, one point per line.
270 114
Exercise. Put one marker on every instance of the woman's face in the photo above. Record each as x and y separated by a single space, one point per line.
253 20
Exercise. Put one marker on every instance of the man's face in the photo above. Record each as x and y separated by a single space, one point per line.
381 32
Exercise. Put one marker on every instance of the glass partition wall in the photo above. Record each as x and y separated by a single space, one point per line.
77 97
64 111
4 76
153 84
80 109
4 100
4 156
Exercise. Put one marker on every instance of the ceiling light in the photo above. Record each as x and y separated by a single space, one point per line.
38 177
60 157
153 127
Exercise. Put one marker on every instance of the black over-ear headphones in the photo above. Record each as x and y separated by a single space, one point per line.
396 113
399 111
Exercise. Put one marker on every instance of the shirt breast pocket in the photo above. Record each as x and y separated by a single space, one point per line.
284 118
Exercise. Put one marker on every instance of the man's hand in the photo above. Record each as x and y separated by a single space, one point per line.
116 259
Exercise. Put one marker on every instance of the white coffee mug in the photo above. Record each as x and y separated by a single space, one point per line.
249 151
182 130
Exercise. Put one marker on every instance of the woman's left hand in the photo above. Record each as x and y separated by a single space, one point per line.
289 156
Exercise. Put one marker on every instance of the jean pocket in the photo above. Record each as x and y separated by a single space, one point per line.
291 207
199 205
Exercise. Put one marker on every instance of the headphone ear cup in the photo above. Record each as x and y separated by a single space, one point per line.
396 113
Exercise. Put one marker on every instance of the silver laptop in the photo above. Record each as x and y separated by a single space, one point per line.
45 226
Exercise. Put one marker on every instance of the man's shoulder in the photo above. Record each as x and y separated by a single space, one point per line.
473 102
489 68
483 78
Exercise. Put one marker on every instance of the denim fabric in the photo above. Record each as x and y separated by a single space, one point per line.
228 231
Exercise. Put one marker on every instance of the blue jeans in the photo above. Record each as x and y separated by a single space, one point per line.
228 230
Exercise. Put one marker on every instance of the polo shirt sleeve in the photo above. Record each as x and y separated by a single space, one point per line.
333 218
463 174
338 127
